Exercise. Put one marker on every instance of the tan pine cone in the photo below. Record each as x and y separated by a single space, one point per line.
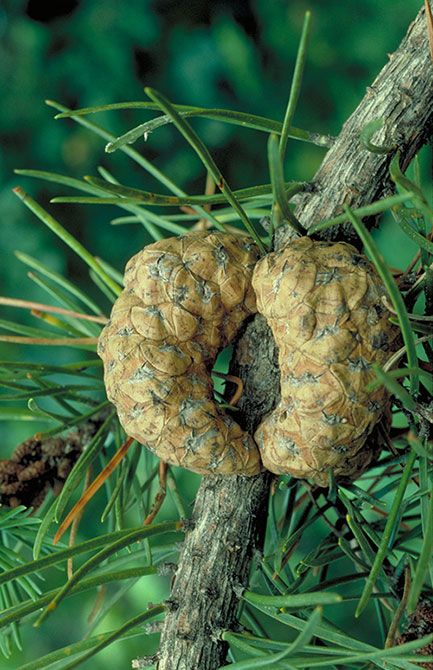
185 298
323 303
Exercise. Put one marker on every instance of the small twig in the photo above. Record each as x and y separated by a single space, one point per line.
413 317
50 341
27 304
176 497
203 223
74 527
97 605
95 486
235 380
381 512
411 265
160 496
401 352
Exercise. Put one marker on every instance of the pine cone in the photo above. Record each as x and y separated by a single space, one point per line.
36 466
185 298
323 303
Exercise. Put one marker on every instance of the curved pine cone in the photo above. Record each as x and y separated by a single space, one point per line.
185 298
322 301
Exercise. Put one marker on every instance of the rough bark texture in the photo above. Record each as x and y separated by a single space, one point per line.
402 97
230 512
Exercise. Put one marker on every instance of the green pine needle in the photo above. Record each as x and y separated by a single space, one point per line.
203 153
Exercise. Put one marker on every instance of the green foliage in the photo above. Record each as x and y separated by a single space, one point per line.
330 555
229 55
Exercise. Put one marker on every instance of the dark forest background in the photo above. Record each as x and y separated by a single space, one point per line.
223 54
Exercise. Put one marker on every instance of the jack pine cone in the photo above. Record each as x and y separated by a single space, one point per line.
323 303
185 298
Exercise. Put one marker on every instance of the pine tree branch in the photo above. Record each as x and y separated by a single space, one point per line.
230 512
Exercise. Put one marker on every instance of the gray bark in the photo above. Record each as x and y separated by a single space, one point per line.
230 512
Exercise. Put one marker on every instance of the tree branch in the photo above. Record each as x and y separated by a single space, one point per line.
230 512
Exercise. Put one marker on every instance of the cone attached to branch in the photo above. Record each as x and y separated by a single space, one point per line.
323 303
186 298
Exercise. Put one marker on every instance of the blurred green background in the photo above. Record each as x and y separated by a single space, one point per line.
223 54
226 54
